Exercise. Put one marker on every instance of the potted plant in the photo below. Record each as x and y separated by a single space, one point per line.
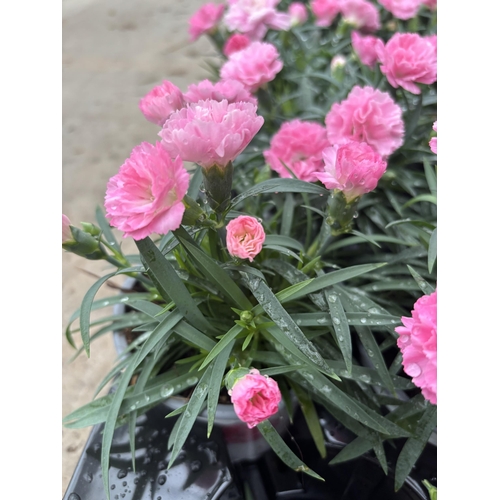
296 263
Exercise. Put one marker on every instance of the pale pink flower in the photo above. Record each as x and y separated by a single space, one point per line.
205 20
298 13
418 344
298 145
366 48
210 132
402 9
353 168
253 66
255 398
145 196
433 143
231 90
360 14
245 237
325 11
431 4
160 102
338 61
255 17
67 235
367 115
237 41
408 59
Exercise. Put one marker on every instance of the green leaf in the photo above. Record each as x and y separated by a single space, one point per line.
283 250
191 334
340 325
195 183
283 451
215 383
169 280
430 175
212 270
189 416
283 241
414 446
223 342
432 255
422 284
287 215
285 323
86 308
329 279
281 186
431 198
106 228
354 449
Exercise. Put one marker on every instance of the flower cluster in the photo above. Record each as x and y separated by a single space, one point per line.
286 228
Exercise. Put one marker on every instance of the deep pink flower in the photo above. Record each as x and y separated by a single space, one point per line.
255 17
255 398
145 196
253 66
366 47
245 237
298 13
205 20
231 90
210 132
298 145
67 235
325 11
353 168
408 59
367 115
433 143
418 344
402 9
360 14
235 42
158 104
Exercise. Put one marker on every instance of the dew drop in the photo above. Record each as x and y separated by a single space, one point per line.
192 380
413 370
166 391
363 320
404 339
341 338
370 353
332 298
336 321
74 496
162 479
195 465
373 310
121 473
88 477
321 321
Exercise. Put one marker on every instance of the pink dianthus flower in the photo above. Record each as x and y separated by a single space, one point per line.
298 13
255 398
237 41
367 115
160 102
205 20
408 59
366 48
231 90
245 237
210 132
360 14
253 66
431 4
433 143
146 195
418 344
353 168
67 235
298 145
255 17
402 9
325 11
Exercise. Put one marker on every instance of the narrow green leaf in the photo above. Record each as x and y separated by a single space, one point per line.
105 227
432 255
414 446
287 215
423 197
168 279
191 334
281 186
352 450
340 325
430 175
283 451
190 414
283 241
284 251
366 237
422 284
223 342
195 183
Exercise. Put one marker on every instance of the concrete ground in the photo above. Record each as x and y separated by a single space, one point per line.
114 52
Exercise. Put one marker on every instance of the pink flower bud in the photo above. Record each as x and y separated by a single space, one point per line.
407 59
205 20
245 237
255 398
433 143
418 344
353 168
235 42
145 196
158 104
366 48
298 13
66 231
